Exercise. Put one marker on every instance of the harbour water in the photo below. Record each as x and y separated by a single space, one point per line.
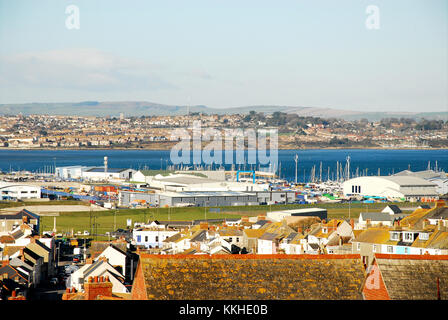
362 161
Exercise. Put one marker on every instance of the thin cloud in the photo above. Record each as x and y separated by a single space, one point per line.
85 69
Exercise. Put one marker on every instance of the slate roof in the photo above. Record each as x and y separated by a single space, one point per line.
268 236
261 223
414 277
199 236
174 237
394 208
19 215
439 213
376 216
252 277
12 272
97 247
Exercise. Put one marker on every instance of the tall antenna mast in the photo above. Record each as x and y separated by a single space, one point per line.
348 168
105 167
296 159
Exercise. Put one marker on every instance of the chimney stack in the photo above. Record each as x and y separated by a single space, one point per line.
352 223
98 288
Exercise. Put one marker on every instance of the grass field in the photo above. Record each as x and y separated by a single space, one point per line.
106 220
12 204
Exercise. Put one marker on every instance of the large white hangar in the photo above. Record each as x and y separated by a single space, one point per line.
14 191
391 187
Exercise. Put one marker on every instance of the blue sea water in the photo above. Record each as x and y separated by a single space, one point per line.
388 161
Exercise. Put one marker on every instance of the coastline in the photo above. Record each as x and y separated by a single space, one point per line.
169 148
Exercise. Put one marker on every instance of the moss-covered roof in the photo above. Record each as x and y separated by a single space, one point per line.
260 277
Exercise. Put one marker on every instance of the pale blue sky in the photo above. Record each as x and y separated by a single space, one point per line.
228 53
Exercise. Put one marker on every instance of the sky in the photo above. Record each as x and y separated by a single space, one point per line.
312 53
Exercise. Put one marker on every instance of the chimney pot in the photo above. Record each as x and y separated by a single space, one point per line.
67 290
90 279
14 293
96 279
101 279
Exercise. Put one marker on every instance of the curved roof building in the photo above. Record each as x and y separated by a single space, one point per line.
407 187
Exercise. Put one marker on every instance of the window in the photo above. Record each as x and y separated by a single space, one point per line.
423 236
408 236
139 238
374 248
157 238
230 239
324 230
237 239
406 250
146 238
358 246
359 189
390 249
395 236
353 189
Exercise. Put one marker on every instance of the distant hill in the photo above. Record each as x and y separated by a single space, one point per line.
145 108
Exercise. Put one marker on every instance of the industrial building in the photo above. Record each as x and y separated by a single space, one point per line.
187 198
439 178
203 198
70 172
94 173
407 188
18 191
193 181
100 173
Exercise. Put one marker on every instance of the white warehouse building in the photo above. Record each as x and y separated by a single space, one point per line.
14 191
391 187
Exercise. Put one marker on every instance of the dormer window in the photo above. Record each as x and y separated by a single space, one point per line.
408 237
325 230
395 236
423 236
